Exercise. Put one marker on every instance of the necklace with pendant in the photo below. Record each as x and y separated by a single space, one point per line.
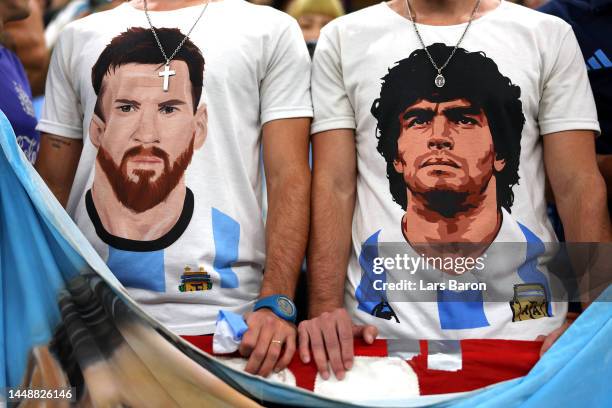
167 72
440 81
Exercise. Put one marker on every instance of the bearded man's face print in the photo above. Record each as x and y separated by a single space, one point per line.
146 135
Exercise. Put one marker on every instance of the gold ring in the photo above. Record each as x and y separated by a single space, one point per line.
277 341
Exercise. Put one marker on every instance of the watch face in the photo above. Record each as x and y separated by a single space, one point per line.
285 306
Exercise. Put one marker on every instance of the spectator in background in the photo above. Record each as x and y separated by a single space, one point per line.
15 92
61 12
26 38
312 15
592 23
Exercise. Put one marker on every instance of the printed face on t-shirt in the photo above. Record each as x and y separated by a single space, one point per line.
451 150
148 135
445 146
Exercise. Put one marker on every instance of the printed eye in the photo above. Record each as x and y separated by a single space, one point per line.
127 108
168 109
419 118
417 122
466 121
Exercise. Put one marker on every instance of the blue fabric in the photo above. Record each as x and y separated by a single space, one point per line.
367 296
35 260
235 322
40 249
226 232
142 270
529 271
461 310
16 103
603 58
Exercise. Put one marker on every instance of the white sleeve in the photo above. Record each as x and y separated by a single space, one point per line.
332 108
285 88
567 101
62 112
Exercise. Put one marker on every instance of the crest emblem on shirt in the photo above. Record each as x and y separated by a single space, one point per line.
195 281
529 302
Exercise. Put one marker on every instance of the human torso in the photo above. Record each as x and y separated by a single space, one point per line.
216 262
370 43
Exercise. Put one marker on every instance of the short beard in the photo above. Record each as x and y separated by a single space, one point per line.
447 203
144 194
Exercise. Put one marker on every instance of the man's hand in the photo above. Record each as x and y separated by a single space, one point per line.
285 151
264 341
332 332
554 335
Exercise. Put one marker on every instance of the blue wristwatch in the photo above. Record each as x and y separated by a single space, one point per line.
281 305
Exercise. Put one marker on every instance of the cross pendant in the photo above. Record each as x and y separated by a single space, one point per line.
166 73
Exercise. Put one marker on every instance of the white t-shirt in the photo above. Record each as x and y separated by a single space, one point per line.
473 304
257 69
514 65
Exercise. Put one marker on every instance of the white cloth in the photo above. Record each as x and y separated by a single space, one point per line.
257 69
228 333
284 376
371 378
223 339
537 52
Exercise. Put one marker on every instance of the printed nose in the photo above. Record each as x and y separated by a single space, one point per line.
439 143
439 139
147 131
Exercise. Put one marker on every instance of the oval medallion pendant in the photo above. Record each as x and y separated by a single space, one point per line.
439 81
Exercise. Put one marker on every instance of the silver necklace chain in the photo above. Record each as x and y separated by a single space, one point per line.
146 10
440 80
